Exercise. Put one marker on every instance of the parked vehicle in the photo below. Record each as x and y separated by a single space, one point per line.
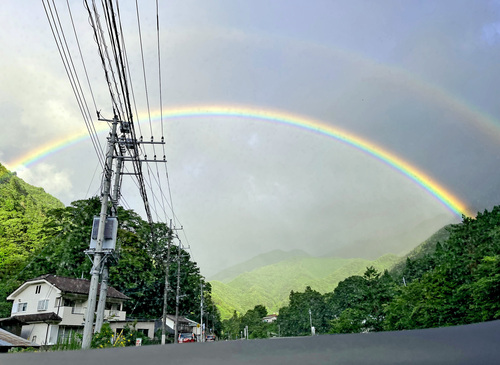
186 337
210 338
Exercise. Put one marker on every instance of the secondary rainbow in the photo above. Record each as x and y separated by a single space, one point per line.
439 192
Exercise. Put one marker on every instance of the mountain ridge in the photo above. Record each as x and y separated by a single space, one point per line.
270 285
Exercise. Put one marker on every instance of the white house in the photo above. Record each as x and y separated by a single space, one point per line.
270 318
51 308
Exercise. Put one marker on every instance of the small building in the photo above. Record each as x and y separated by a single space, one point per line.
270 318
51 308
149 327
9 340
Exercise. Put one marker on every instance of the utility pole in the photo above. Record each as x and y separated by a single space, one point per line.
167 288
202 338
101 305
177 294
311 322
96 267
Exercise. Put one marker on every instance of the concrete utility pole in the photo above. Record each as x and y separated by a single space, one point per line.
167 288
96 267
311 322
202 337
101 305
177 294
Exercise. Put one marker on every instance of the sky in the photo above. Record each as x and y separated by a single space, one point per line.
417 80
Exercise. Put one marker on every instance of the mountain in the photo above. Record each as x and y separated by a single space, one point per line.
261 260
426 247
399 244
23 209
270 284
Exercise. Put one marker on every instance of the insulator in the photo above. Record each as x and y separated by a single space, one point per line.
125 127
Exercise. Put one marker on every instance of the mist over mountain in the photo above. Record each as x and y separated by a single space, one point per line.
271 283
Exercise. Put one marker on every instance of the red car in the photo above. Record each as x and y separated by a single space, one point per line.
186 337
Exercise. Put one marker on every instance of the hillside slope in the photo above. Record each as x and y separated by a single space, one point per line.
261 260
426 247
23 212
270 285
23 208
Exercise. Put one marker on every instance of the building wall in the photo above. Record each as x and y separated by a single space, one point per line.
32 295
40 333
147 327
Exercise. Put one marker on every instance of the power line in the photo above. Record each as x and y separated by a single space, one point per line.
65 54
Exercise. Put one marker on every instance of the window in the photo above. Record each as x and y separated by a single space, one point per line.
69 303
78 307
38 289
43 305
22 307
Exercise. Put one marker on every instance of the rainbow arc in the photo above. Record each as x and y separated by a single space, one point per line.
455 205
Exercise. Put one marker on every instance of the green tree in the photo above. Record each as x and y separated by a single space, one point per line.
139 272
304 308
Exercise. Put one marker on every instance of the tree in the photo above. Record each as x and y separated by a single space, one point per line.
295 319
357 304
253 320
139 271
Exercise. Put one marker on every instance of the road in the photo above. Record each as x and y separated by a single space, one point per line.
471 344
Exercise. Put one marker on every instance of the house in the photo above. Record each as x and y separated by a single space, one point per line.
150 327
51 308
270 318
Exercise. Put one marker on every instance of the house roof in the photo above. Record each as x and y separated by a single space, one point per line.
8 339
38 317
21 319
75 286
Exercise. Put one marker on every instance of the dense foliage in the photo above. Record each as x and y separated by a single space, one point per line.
38 235
457 282
24 228
234 327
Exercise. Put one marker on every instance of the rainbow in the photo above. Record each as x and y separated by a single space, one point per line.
451 202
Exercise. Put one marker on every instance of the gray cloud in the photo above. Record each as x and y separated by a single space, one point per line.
418 80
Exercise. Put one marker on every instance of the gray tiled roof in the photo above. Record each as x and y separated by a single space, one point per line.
77 286
8 339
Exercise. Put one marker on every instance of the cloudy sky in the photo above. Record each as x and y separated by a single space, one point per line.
418 79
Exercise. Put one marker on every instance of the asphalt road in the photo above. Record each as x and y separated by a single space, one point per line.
471 344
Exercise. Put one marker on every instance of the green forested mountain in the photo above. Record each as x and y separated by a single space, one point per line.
270 285
452 279
256 262
24 213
